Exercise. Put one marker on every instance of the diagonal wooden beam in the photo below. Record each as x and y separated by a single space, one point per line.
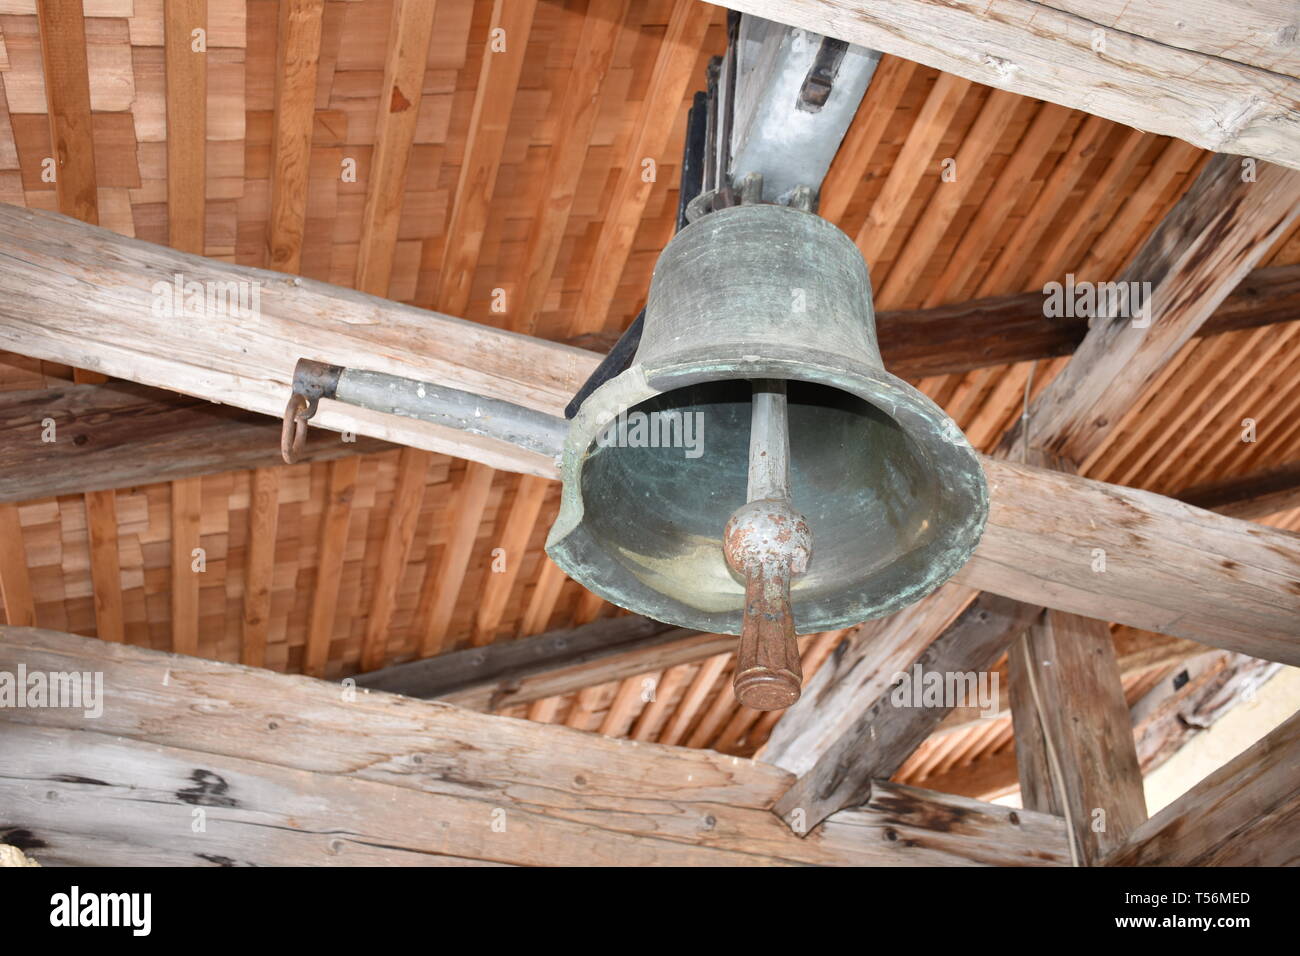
1246 813
1210 240
837 763
1137 73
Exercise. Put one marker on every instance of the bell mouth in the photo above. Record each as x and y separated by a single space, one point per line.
659 481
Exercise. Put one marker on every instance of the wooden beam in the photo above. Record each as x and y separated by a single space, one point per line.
661 107
259 566
187 511
508 556
1246 813
403 516
883 733
506 673
1210 240
557 796
121 434
15 581
330 554
105 566
58 261
409 32
67 94
1169 567
297 55
1249 497
1080 59
494 98
187 122
1071 690
445 576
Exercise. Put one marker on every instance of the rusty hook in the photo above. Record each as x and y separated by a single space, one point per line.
312 381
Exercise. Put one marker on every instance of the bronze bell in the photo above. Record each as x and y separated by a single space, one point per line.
759 331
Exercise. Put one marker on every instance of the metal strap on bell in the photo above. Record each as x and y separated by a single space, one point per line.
657 460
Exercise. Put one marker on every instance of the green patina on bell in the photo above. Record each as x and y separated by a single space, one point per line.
894 494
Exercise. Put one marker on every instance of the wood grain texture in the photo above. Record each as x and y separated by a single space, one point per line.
674 72
186 512
882 734
67 91
297 58
409 33
1170 567
121 434
565 796
15 581
259 575
187 112
1244 814
1029 48
329 564
105 567
1211 239
1072 688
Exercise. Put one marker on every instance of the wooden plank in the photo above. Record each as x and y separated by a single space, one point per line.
1244 814
661 107
121 434
399 105
67 92
494 99
105 567
1028 48
403 516
15 581
259 567
566 797
508 556
187 122
186 512
1252 496
445 576
297 57
329 564
546 594
1169 567
57 259
1073 692
883 733
507 673
1212 237
579 108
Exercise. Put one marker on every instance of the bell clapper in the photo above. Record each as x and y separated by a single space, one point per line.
769 543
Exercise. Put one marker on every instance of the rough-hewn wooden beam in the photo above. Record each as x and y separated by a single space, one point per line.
557 662
1168 567
952 339
378 761
885 732
1249 497
1203 248
69 287
121 434
1079 59
1067 699
1246 813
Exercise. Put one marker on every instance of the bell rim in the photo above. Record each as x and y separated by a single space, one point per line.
638 384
